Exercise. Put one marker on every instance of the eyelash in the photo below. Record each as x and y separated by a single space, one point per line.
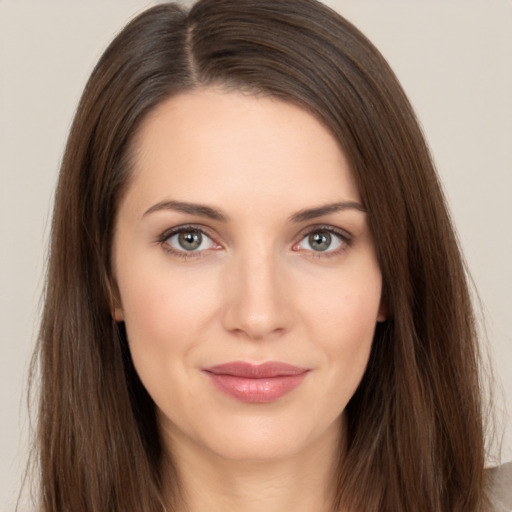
346 241
164 237
344 236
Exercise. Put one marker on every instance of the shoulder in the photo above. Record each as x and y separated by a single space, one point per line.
500 483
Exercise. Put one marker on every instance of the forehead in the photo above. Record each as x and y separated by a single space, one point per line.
229 146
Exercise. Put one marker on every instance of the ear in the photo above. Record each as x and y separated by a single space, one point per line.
116 308
383 313
118 314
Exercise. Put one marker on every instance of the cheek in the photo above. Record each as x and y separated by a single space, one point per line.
344 319
349 306
163 310
164 315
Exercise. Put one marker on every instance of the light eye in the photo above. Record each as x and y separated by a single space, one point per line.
190 240
321 240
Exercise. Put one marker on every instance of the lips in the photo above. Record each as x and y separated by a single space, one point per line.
256 383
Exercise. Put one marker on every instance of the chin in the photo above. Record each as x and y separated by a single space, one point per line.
263 437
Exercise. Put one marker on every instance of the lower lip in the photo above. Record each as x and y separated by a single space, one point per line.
261 390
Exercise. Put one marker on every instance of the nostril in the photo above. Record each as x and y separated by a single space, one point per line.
256 321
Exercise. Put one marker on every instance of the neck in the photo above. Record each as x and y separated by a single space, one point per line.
301 482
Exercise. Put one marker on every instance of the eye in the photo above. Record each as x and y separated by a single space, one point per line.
323 240
189 240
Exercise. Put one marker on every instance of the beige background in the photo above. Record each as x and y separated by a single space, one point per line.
454 58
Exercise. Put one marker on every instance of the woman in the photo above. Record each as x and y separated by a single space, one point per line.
255 298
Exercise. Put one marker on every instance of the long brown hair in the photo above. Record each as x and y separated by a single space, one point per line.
415 439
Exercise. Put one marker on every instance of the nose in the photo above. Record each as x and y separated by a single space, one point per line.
257 304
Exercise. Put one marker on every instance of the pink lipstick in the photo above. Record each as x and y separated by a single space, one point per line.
256 383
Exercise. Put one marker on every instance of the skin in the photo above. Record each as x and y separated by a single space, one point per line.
256 290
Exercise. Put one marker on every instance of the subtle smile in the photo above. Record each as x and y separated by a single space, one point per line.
256 383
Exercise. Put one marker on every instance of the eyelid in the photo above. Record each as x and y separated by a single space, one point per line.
168 233
345 236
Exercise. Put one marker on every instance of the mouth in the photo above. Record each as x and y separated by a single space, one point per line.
256 383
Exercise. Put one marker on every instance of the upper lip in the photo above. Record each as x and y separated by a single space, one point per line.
256 371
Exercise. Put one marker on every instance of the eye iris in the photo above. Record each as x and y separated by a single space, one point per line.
190 240
320 241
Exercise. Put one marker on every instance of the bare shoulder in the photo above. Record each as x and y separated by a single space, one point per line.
500 478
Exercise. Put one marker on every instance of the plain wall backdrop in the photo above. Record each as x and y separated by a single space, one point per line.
453 57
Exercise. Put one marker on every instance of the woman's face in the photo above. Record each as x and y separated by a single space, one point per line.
247 276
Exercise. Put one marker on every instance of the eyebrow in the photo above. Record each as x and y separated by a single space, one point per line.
212 213
313 213
190 208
